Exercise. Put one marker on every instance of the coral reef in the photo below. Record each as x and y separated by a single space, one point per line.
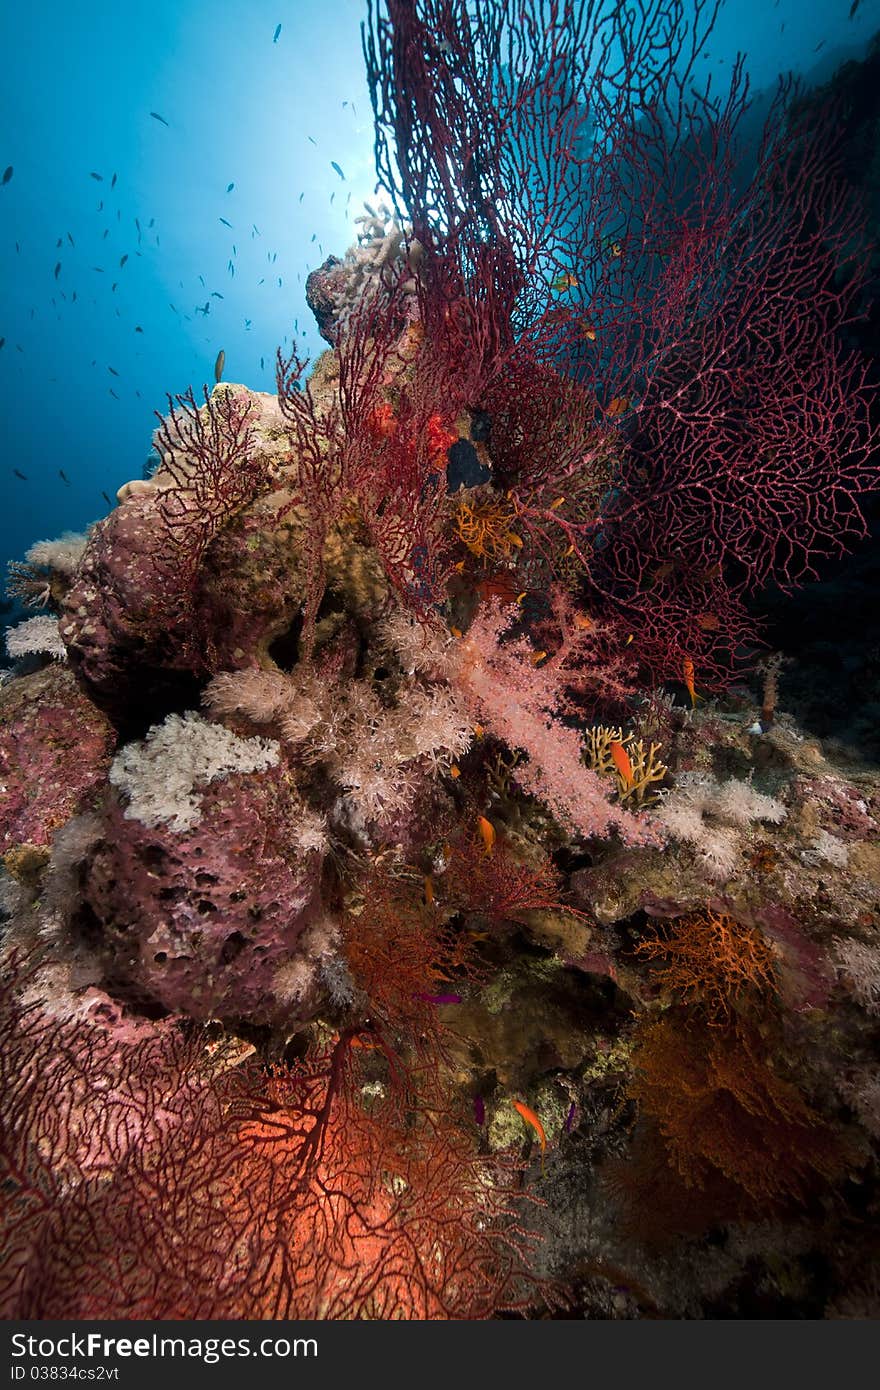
411 911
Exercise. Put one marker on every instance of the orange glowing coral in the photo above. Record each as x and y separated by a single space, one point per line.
715 963
485 526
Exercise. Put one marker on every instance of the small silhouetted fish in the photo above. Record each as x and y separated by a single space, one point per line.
113 286
173 307
818 46
314 236
247 324
106 234
230 267
113 181
332 196
156 117
7 173
113 371
219 365
279 282
302 195
73 297
151 222
123 260
255 231
99 177
215 294
63 476
59 242
138 329
853 7
277 34
234 249
57 269
334 165
101 205
18 248
262 364
225 223
2 341
138 225
229 187
314 142
106 498
18 473
98 269
113 394
70 239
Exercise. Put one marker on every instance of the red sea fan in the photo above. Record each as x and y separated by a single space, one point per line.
587 211
146 1176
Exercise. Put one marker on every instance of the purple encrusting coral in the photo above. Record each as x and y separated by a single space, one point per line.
55 752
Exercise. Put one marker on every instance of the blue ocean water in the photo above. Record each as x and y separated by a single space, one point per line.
173 184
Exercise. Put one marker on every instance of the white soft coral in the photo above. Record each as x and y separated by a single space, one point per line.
708 815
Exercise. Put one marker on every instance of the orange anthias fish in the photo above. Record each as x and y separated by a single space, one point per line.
688 670
531 1119
709 622
620 758
618 405
487 831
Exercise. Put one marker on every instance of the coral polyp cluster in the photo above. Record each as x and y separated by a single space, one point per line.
382 805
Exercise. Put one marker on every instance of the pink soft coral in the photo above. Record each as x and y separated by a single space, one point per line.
522 704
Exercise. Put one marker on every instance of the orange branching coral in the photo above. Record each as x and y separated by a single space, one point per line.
722 1109
714 962
485 525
